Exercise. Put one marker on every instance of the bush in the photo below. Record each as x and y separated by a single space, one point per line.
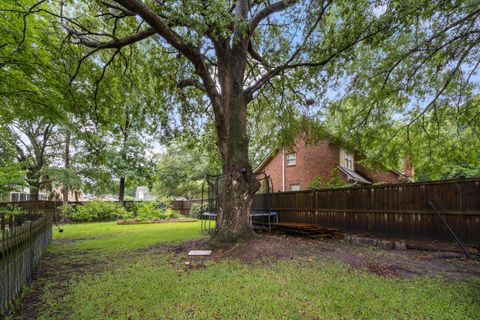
66 210
148 211
98 211
174 214
154 210
196 209
11 210
335 181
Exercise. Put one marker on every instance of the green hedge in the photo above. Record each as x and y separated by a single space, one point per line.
95 211
150 211
12 210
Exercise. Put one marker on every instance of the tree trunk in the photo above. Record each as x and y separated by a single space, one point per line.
238 183
121 192
236 191
34 183
65 189
34 193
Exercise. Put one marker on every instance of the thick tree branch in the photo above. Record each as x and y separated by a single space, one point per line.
191 52
114 44
192 83
255 55
269 10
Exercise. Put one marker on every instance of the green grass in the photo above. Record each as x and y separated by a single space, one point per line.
138 285
109 237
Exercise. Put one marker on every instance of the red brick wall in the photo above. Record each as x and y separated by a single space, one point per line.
312 160
274 170
379 176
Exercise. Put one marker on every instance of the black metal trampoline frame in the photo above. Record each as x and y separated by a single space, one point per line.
209 215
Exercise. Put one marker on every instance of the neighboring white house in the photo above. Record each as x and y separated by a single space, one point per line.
143 194
23 195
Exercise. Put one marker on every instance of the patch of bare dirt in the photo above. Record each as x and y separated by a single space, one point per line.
72 240
389 263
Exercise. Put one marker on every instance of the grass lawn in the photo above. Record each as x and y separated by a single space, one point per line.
107 271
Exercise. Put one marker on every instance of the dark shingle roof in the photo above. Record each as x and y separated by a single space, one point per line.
354 175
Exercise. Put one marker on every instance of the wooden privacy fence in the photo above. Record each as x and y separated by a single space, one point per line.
20 250
43 207
184 206
399 210
38 207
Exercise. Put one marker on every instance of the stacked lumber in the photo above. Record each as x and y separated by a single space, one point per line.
305 229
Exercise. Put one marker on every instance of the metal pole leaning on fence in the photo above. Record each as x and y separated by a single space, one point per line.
460 243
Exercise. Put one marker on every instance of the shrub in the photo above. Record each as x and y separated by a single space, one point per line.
11 210
66 210
148 211
335 181
99 211
196 209
154 210
174 214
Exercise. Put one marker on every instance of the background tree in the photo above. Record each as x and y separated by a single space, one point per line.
12 176
33 142
181 169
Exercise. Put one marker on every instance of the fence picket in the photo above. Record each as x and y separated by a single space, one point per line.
20 249
395 210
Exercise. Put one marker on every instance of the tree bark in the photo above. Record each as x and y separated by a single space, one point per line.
125 132
121 192
34 183
65 189
34 193
238 184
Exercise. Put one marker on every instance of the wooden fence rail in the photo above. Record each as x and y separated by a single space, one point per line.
184 206
399 210
20 250
37 207
42 207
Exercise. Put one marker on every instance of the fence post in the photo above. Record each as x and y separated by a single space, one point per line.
30 242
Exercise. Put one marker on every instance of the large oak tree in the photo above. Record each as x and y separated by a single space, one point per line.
232 52
229 55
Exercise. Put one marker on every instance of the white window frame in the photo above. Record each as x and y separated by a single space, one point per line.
295 187
291 161
347 159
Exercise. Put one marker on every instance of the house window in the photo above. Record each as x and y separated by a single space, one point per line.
346 159
291 159
15 197
295 187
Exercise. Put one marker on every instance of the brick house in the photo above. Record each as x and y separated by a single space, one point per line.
294 169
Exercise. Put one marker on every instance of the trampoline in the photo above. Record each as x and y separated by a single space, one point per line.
260 212
209 205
